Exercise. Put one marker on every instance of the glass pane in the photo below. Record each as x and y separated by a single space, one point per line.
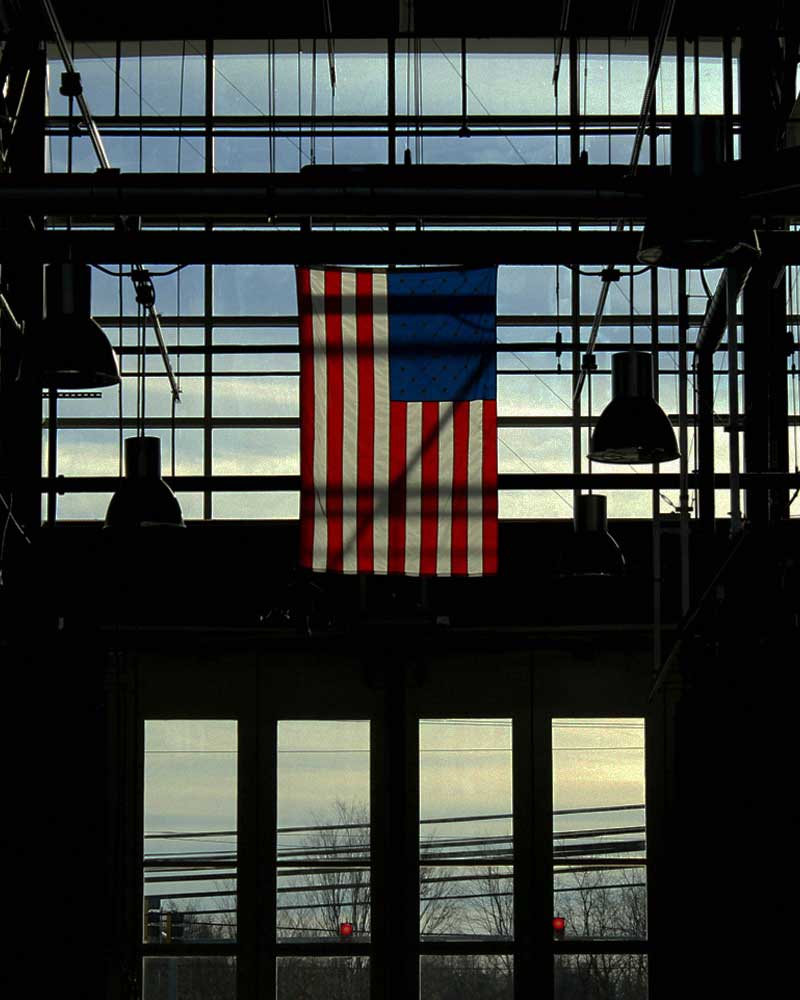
323 831
476 977
190 832
466 903
171 978
466 829
323 978
600 881
599 977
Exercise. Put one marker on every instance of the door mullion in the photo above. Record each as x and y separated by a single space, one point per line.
248 893
524 852
267 842
541 909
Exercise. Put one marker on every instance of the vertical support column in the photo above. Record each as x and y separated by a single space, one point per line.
21 402
766 437
208 289
400 800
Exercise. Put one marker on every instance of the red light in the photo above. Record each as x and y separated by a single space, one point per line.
559 923
345 930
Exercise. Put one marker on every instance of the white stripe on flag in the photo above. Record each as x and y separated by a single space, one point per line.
445 520
413 488
380 341
475 490
350 425
320 560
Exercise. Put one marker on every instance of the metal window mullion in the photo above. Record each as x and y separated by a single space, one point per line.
248 839
208 288
542 855
267 805
524 847
380 853
727 94
575 328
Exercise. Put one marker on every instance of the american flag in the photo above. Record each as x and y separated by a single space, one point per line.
398 421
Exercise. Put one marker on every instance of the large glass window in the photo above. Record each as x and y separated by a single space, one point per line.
231 329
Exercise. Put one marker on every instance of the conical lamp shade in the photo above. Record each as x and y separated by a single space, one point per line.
143 499
633 429
69 350
591 551
690 238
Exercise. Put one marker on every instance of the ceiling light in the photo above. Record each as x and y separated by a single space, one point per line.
691 238
633 429
591 551
143 499
68 349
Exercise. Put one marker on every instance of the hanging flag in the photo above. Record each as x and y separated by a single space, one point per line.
398 420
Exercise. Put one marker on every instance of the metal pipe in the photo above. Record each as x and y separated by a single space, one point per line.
100 152
66 58
683 439
712 328
522 246
731 285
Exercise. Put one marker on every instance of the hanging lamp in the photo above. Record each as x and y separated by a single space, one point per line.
591 551
143 499
633 429
68 349
694 229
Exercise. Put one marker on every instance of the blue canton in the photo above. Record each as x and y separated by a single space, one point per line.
442 335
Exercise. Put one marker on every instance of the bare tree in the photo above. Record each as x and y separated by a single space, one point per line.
596 909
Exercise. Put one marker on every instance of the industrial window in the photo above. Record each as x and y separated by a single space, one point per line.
393 847
231 444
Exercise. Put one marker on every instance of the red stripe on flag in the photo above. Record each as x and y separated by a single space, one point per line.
396 562
365 505
490 486
429 494
458 545
333 347
307 423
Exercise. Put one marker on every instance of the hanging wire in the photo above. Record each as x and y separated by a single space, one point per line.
418 99
333 121
299 106
632 307
478 101
177 271
314 101
408 93
120 341
139 353
141 109
589 381
608 95
558 49
271 104
585 91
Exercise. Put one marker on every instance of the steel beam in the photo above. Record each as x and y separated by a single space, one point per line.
352 247
508 481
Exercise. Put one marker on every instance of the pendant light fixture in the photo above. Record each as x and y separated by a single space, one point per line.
694 229
68 349
591 551
143 499
633 429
